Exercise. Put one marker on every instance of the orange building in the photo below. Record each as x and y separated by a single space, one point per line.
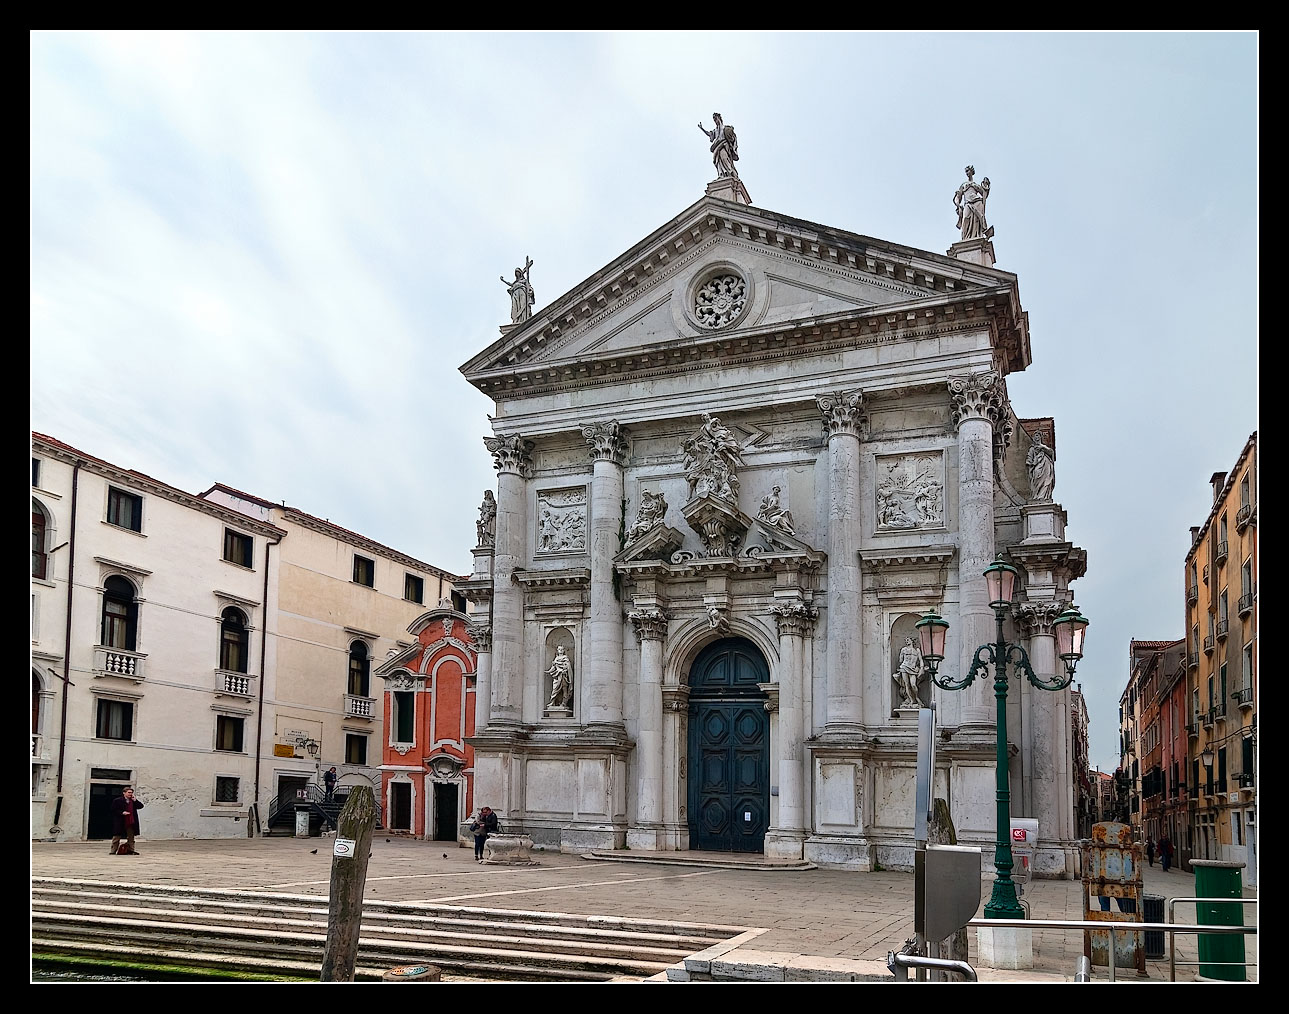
427 770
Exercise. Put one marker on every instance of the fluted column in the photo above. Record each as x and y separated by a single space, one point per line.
512 458
979 403
481 637
651 628
603 697
843 421
796 624
1051 792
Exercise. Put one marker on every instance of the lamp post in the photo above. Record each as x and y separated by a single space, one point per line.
1069 628
1206 758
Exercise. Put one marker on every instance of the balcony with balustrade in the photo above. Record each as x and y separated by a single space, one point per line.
1208 645
1244 698
1223 627
1219 553
37 746
360 707
1192 595
1245 605
234 684
119 662
1192 729
1243 516
1192 660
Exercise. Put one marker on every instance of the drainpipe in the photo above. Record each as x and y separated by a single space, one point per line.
67 643
259 703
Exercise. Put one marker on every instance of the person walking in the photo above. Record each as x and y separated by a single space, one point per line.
1165 852
482 826
1150 851
125 823
329 782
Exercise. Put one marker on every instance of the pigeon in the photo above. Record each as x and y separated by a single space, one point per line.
386 839
313 852
445 855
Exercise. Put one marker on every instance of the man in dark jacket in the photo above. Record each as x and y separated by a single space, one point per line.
483 825
125 823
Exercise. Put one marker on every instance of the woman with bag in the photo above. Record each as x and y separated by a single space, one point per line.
481 827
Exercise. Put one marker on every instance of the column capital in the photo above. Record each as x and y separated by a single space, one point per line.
843 413
511 454
979 396
796 619
480 636
1036 618
607 441
650 624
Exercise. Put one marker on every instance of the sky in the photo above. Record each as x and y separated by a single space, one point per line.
260 258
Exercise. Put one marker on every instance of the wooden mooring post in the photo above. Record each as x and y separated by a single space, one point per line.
349 857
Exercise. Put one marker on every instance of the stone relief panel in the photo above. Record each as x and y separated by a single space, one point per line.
561 521
910 491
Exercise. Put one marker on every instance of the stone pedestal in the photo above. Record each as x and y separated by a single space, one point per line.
977 251
729 188
1044 522
1000 947
508 850
559 712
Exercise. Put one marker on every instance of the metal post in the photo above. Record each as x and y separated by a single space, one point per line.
1003 903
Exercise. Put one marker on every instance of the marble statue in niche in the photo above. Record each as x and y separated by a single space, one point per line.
561 677
1042 470
909 673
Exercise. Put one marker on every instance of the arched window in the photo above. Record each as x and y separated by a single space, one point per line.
39 554
359 670
234 641
120 614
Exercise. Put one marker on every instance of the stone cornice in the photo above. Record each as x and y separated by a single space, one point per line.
576 577
876 560
822 335
1051 555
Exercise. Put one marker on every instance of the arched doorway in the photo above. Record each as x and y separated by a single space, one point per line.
729 748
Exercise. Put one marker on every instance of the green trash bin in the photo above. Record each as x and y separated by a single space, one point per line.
1217 879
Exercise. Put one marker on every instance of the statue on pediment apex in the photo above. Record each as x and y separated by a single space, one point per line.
724 146
969 199
522 296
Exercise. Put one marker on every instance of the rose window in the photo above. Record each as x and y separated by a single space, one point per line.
720 300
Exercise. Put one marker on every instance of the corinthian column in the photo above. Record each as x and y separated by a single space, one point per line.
512 458
481 636
979 403
603 698
646 830
1047 727
796 624
843 419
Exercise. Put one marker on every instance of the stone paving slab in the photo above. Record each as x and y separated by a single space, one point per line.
812 914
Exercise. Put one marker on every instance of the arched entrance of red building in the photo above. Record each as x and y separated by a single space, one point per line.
729 748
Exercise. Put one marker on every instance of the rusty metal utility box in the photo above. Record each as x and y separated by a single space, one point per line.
1112 877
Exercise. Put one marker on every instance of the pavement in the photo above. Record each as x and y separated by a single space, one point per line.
825 920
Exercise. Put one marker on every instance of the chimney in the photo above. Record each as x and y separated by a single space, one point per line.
1218 479
1194 534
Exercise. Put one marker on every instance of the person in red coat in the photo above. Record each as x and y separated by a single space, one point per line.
125 823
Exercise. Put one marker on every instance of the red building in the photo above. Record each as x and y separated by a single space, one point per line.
427 770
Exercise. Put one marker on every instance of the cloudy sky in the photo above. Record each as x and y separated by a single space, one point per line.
260 259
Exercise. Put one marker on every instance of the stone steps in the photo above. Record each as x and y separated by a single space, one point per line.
239 929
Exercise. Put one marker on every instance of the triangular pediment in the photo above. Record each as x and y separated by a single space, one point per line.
721 271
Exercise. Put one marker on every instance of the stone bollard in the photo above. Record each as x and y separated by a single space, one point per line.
413 973
508 850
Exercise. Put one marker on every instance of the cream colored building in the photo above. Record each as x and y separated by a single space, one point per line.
212 641
148 613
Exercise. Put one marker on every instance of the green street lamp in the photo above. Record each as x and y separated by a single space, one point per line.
1069 629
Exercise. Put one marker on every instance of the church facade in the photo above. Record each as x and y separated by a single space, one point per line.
735 466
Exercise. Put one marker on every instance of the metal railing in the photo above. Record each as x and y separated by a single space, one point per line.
1169 927
1222 627
1192 594
1192 660
1244 697
1208 645
1242 516
1245 605
1219 554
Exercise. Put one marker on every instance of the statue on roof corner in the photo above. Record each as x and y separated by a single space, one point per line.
969 199
522 296
724 146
